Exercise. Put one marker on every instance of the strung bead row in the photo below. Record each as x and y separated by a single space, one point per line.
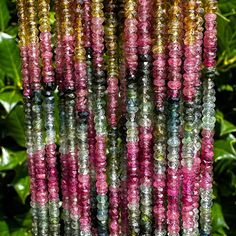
113 91
159 74
174 30
208 118
132 136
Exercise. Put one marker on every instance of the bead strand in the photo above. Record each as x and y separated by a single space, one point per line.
100 116
159 74
198 115
132 134
62 150
37 122
91 137
82 126
173 119
50 148
113 90
70 129
122 119
145 115
27 110
208 116
91 129
191 73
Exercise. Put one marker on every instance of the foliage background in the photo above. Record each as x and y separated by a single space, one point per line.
14 182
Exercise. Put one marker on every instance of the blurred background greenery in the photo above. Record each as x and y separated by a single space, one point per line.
14 182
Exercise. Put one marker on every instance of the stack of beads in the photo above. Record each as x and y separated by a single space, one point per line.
23 44
208 119
100 120
136 130
112 90
82 126
132 134
62 133
49 86
145 114
159 74
37 121
190 76
173 119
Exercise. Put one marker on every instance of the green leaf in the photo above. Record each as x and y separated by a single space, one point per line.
4 231
225 153
10 58
12 30
9 159
15 125
2 79
226 127
4 15
224 148
25 220
218 220
22 186
9 99
20 232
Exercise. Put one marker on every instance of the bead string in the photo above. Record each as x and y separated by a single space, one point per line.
132 134
208 116
90 97
100 120
173 119
37 121
159 74
82 125
113 91
21 7
145 114
49 86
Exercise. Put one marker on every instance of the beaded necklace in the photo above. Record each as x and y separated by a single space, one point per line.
49 86
100 120
37 121
159 74
145 114
112 90
208 118
82 126
132 134
173 119
21 7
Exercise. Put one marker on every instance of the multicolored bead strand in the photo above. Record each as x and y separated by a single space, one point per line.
90 97
132 132
208 116
113 92
159 74
68 41
21 7
37 121
82 126
191 77
198 115
62 142
49 84
173 120
100 115
145 114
